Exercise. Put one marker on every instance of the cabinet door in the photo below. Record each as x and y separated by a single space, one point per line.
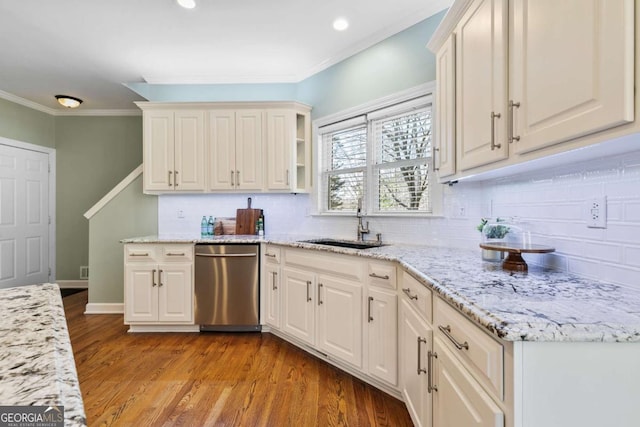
481 84
445 135
158 146
572 69
189 151
279 144
175 289
459 399
141 293
249 167
272 296
382 321
415 342
340 319
222 150
298 310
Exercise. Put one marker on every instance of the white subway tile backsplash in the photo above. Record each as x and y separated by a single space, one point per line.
550 203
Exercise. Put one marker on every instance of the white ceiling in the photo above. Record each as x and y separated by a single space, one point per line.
89 48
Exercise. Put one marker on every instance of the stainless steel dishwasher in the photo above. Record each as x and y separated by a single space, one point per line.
226 287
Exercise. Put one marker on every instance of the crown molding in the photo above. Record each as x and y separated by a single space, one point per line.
67 112
448 24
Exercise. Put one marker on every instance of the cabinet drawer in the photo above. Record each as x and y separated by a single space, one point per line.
418 295
140 253
271 254
350 267
180 253
481 354
382 274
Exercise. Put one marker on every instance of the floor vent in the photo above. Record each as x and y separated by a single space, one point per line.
84 272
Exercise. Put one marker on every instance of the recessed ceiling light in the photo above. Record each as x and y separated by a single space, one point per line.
340 24
69 101
187 4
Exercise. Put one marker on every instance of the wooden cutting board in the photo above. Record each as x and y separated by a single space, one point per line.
246 219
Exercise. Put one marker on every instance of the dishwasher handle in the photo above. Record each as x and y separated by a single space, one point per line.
228 255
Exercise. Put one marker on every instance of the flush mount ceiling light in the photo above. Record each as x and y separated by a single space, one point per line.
340 24
187 4
69 101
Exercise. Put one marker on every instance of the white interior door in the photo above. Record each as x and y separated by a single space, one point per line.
24 217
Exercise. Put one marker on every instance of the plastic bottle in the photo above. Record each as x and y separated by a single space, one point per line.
260 226
210 227
204 228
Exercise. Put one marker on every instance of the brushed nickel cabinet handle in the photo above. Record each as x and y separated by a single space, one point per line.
143 254
176 254
494 116
377 276
407 291
512 105
447 331
430 356
421 370
237 178
288 179
175 178
319 295
170 172
159 278
232 179
370 319
270 255
308 290
153 278
273 278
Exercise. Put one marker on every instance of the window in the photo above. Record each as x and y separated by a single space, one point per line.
382 158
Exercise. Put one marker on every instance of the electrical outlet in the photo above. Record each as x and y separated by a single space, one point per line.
597 212
84 272
180 213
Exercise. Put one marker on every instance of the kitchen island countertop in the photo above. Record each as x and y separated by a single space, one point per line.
543 305
36 359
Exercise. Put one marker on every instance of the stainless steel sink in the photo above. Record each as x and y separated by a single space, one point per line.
352 244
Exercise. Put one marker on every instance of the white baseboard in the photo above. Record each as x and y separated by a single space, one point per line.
104 308
73 284
164 328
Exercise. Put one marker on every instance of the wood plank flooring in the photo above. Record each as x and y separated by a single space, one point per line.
213 379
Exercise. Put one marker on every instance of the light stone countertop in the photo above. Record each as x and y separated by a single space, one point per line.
543 305
36 359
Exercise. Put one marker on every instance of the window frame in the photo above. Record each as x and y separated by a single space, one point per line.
402 102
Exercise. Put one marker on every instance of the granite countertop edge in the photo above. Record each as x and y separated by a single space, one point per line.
482 291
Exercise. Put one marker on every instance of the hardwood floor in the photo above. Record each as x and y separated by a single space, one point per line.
213 379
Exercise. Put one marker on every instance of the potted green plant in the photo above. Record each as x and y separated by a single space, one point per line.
493 231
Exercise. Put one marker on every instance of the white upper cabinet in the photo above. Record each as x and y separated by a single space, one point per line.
280 144
571 69
532 78
212 147
235 150
481 84
445 132
174 150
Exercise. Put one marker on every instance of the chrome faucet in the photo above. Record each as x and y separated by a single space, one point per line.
362 229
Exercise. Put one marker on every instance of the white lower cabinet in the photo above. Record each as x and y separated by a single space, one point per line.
416 341
271 290
298 311
158 284
458 399
382 332
339 305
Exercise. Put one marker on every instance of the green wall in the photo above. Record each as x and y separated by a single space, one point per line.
399 62
93 155
130 213
26 125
